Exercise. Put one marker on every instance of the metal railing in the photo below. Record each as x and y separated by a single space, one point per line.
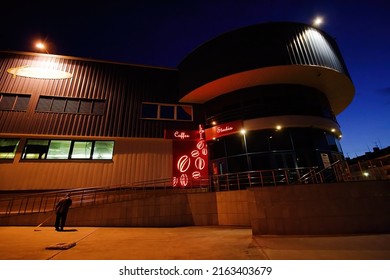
15 204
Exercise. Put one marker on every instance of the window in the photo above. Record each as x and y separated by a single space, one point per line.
149 111
167 112
58 105
81 150
70 105
36 149
44 149
173 112
184 112
14 102
103 150
8 148
59 149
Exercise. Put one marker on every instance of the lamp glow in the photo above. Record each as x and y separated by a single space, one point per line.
41 46
318 21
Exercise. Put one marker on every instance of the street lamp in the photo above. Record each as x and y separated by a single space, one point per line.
243 133
318 21
41 46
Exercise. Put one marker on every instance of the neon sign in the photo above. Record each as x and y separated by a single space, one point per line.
190 157
223 130
181 135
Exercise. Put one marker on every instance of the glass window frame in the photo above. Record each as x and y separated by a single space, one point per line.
159 115
44 152
8 155
72 105
16 103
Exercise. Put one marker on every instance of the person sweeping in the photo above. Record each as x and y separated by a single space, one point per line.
61 209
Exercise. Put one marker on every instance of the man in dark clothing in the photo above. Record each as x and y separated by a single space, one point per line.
62 208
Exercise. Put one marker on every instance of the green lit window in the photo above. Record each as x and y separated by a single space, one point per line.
103 150
81 150
8 148
36 149
59 149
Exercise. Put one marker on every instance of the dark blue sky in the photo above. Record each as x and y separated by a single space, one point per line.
162 33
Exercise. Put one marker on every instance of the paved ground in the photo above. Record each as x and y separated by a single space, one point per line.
184 243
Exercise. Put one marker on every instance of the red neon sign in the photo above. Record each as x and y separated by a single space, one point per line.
190 158
223 130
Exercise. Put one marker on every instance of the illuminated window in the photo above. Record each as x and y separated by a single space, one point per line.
81 150
36 149
8 148
14 102
103 150
44 149
59 149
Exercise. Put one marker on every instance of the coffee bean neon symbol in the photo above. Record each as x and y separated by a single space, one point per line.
200 163
184 180
183 163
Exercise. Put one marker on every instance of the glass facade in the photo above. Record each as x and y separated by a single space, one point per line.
272 149
267 101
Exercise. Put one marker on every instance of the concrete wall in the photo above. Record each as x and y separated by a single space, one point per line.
346 208
342 208
181 209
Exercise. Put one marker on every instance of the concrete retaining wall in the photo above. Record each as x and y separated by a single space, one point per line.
346 208
342 208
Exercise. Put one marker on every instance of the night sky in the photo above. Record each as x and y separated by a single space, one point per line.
162 33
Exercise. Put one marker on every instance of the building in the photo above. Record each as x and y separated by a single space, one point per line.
373 165
257 98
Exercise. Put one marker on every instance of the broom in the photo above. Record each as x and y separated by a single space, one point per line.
36 228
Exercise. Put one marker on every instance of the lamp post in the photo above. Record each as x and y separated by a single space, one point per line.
41 46
243 132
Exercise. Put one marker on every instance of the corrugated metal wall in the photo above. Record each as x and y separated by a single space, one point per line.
135 159
259 46
124 87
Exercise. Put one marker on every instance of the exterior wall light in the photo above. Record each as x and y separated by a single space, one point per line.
38 73
318 21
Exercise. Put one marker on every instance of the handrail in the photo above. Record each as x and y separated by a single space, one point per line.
42 202
312 174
